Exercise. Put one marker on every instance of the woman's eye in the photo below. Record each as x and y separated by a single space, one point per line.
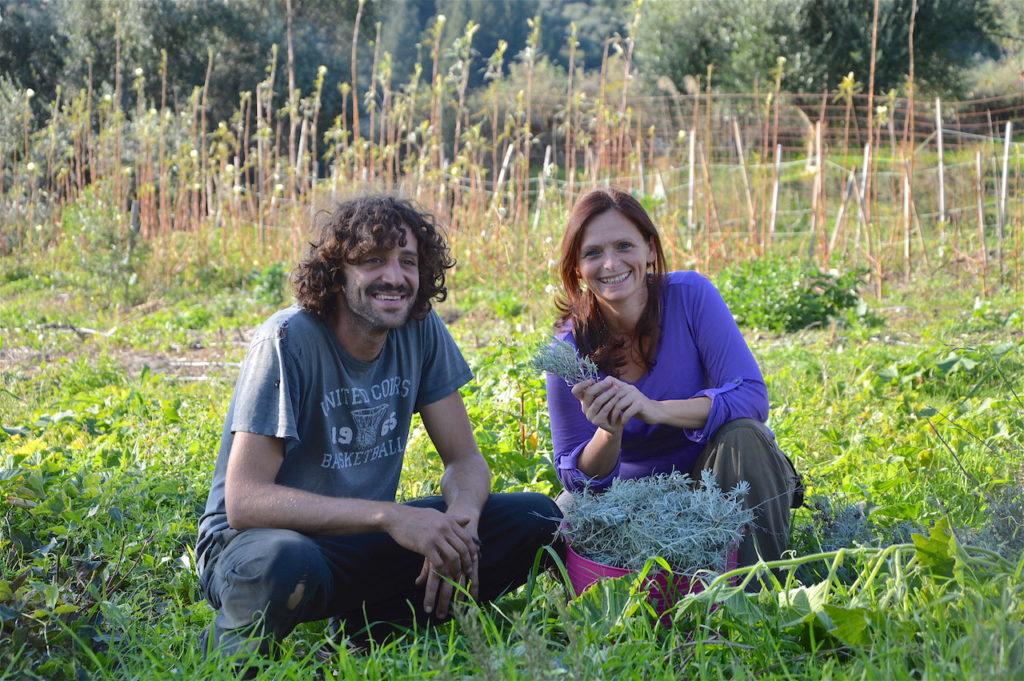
593 253
625 245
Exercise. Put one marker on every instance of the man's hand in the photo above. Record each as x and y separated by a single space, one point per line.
610 403
438 590
439 537
465 485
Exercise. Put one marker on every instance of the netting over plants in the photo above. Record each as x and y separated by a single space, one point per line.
690 525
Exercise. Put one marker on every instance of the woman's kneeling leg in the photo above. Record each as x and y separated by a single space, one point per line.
745 449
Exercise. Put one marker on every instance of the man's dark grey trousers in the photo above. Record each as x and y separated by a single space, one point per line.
267 581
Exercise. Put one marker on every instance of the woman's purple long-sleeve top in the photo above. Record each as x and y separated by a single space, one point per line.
701 353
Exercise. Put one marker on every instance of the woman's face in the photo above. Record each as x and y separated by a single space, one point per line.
613 258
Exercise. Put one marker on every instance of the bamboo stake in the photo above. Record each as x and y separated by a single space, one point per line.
851 182
569 164
906 226
751 217
545 173
942 165
815 191
689 189
979 184
355 79
775 194
712 208
1001 231
371 104
293 93
871 100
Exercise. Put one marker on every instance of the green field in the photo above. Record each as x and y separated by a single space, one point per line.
117 366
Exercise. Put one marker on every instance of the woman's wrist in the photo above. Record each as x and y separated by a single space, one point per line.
691 413
601 454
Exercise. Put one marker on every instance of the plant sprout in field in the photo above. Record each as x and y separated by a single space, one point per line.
560 358
690 525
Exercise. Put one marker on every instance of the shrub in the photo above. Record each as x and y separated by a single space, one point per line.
779 295
270 284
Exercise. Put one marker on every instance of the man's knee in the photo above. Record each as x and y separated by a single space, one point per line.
272 570
532 516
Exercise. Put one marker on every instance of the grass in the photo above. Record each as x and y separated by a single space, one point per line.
112 393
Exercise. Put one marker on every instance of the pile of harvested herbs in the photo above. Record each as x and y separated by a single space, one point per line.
692 526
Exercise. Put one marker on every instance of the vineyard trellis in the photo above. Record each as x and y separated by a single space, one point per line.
730 175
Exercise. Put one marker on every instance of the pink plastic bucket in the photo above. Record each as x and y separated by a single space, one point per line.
663 590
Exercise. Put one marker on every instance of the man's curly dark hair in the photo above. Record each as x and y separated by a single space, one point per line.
358 227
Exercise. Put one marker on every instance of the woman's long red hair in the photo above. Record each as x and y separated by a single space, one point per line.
579 307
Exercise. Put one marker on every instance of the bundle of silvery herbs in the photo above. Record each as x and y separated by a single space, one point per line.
560 358
692 526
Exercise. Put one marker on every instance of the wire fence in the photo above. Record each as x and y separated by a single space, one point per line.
884 183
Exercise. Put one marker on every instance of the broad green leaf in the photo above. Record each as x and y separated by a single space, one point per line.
50 595
850 625
744 608
805 602
933 551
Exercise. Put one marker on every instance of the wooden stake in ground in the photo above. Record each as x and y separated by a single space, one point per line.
851 182
690 188
979 186
544 174
871 102
775 195
906 225
751 218
1001 233
942 166
355 76
816 190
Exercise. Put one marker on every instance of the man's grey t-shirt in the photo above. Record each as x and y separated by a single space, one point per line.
345 422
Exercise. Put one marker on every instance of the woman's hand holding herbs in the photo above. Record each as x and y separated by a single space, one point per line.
610 403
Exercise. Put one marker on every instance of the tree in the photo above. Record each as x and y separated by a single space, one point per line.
949 36
741 39
32 52
822 41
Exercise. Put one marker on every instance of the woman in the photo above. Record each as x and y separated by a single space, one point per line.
681 389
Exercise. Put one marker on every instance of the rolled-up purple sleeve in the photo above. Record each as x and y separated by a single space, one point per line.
738 389
570 433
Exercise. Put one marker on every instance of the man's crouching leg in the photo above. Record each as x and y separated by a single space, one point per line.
513 527
264 583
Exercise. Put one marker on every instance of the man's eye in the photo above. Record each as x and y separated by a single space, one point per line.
409 262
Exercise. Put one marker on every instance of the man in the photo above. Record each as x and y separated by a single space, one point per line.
301 522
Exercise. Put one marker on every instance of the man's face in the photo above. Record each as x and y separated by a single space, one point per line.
381 288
